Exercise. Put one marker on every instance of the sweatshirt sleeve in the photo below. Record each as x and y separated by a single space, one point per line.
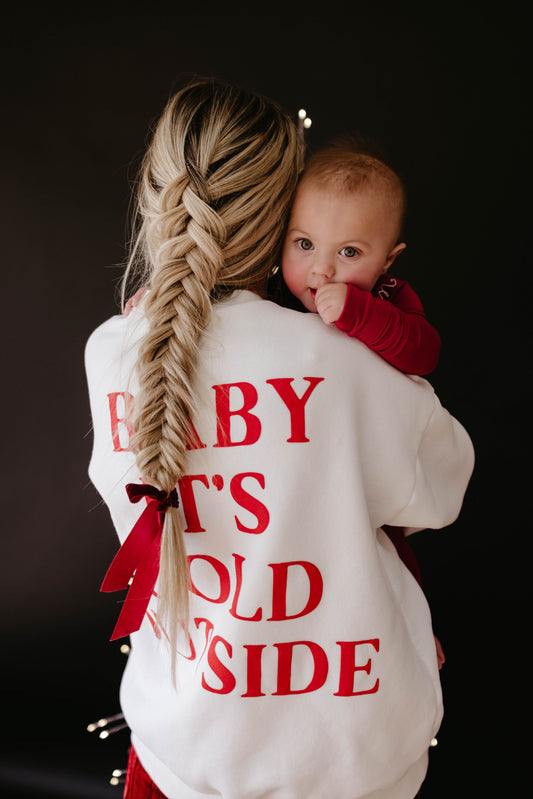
444 465
397 330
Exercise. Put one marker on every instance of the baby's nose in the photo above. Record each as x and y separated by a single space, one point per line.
324 268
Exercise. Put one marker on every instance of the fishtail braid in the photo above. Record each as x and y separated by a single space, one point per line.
217 181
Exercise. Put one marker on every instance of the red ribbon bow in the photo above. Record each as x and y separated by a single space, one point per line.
139 557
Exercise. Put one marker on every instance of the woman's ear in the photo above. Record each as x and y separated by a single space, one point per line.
393 253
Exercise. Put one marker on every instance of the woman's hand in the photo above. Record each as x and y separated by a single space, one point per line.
133 301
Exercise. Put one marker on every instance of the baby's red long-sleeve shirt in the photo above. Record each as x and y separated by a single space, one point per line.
391 321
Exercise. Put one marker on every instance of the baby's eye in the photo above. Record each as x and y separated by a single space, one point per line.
349 252
305 244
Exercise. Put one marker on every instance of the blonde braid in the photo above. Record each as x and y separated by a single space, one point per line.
217 183
178 310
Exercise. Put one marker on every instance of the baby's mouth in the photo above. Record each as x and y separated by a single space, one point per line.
313 292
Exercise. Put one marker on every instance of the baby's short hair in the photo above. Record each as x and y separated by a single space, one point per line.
349 164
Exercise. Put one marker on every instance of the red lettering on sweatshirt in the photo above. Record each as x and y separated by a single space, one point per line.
253 669
239 560
242 394
223 586
209 628
225 676
193 439
218 590
285 655
295 404
189 503
287 672
348 668
224 413
242 497
279 589
121 419
250 503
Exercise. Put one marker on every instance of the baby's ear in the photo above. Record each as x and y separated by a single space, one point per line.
393 253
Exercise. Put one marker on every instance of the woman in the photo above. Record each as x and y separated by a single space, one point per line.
285 651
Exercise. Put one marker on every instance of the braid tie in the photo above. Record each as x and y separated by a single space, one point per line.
136 563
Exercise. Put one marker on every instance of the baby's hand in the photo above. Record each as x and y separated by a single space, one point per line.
133 301
329 301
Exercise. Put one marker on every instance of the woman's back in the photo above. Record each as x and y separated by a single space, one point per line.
309 667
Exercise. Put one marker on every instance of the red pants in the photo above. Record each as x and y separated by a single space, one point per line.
140 786
138 783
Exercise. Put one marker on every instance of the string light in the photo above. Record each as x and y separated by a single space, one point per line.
104 722
117 776
112 730
304 122
433 742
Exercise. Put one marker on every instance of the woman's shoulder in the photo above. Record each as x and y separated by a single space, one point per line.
113 340
248 304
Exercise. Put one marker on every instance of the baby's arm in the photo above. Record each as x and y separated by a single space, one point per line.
395 328
406 554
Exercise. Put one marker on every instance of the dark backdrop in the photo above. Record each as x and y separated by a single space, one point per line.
445 89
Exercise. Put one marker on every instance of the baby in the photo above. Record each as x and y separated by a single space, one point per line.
343 235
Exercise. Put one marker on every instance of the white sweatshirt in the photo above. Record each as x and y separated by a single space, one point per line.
310 670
